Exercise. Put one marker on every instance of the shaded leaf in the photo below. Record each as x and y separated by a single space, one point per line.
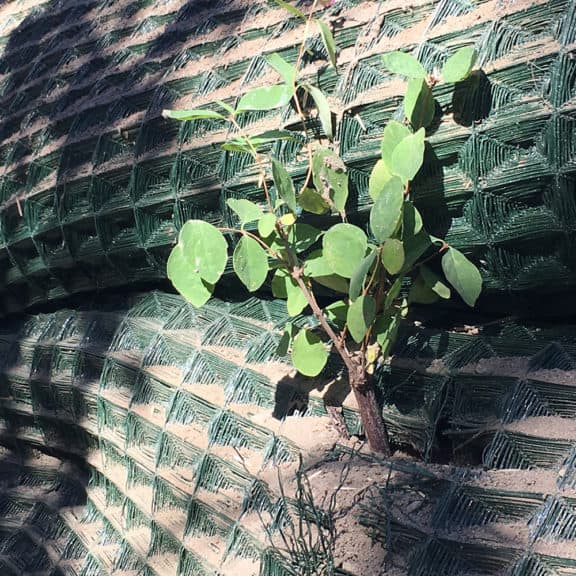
419 105
459 65
265 98
247 211
393 255
359 276
360 316
250 263
421 293
434 282
385 330
393 293
289 333
284 184
415 247
317 267
408 156
334 282
404 64
186 280
463 275
313 202
302 236
204 249
411 220
387 210
309 355
344 246
328 41
337 313
284 286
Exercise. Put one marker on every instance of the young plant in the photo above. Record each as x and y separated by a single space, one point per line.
367 267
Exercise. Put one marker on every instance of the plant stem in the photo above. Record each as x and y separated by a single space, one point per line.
360 381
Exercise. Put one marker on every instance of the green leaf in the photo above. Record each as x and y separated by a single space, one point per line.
324 112
459 65
309 355
463 275
265 98
312 202
404 64
415 247
250 263
226 107
419 105
379 177
408 156
360 316
359 276
284 345
186 280
393 255
334 282
387 210
266 225
284 286
328 40
411 220
330 178
337 312
247 211
393 293
302 236
204 249
290 8
393 134
421 293
434 282
284 185
286 70
385 330
344 246
317 267
237 145
195 114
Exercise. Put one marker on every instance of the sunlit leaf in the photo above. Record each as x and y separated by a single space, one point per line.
247 211
284 184
265 98
330 177
186 280
290 8
250 263
312 202
328 41
360 316
204 249
404 64
303 236
266 225
419 105
309 354
284 286
286 70
393 255
393 134
463 275
195 114
324 112
408 156
344 246
379 177
387 210
359 276
459 65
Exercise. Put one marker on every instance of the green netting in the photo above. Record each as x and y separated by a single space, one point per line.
104 183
